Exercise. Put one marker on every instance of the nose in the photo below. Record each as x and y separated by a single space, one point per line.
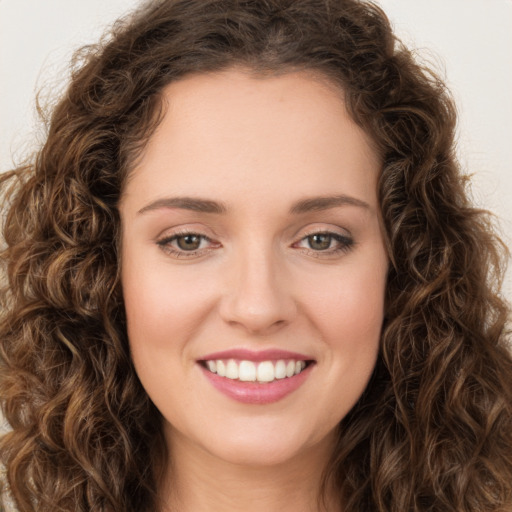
258 297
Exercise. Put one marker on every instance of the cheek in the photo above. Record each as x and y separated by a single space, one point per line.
349 307
162 308
163 312
347 311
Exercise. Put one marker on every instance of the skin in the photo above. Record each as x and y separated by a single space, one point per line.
258 146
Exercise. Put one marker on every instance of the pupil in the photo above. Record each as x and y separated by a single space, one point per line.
189 242
319 242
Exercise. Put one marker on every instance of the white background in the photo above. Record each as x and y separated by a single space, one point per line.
469 41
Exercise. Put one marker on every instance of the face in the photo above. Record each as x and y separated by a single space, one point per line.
253 266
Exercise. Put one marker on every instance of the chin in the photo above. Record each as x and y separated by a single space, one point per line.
264 444
256 454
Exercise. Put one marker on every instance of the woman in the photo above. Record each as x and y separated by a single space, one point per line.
243 272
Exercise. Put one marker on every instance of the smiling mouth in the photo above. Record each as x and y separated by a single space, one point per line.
260 372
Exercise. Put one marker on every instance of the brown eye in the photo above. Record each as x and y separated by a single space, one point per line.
187 245
319 241
325 244
188 242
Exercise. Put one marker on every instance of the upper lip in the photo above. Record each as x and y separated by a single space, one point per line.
256 355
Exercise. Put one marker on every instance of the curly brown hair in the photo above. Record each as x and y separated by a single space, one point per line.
433 430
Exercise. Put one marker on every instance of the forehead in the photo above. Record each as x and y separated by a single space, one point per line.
232 130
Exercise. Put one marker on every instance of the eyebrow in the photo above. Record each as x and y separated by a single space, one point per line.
186 203
208 206
324 203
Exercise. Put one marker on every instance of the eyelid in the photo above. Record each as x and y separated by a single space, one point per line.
324 228
186 228
164 242
346 242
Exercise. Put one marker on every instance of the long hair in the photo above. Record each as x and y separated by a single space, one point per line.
433 429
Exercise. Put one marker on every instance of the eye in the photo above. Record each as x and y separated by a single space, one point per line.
327 243
186 244
320 241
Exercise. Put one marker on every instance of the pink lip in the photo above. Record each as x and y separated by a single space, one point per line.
255 392
256 356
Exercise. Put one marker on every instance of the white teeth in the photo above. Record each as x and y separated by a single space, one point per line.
232 370
280 369
221 369
266 372
248 371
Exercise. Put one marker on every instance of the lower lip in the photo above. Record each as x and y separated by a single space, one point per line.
256 392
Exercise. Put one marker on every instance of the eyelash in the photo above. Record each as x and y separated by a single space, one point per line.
345 244
165 245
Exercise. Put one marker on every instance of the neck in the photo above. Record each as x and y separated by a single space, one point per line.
199 482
